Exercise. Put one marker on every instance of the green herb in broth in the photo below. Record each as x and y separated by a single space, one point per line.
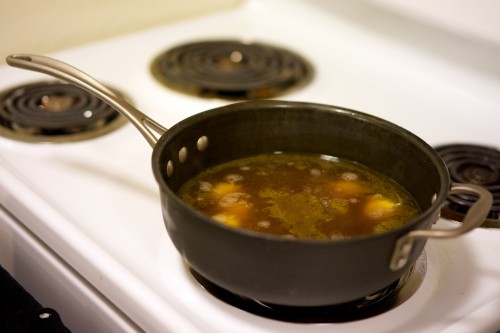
300 195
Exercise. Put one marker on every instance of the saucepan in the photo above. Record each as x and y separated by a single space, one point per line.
272 269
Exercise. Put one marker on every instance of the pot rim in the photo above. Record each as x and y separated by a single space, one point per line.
438 200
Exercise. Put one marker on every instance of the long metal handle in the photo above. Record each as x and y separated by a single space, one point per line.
475 216
70 74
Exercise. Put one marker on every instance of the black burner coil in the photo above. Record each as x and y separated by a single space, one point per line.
474 164
52 110
231 70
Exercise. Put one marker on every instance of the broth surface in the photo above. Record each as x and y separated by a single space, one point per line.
301 196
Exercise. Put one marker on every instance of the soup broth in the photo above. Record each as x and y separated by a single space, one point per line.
300 196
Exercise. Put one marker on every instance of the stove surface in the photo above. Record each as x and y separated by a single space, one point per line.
96 203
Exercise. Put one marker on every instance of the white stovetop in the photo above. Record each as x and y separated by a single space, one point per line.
96 204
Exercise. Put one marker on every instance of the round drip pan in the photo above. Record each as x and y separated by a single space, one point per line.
475 164
52 111
231 70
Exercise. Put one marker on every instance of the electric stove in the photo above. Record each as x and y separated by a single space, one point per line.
81 224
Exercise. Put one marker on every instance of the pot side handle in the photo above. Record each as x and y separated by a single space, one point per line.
475 216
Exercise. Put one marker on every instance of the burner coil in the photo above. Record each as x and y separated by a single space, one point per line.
52 111
477 165
231 70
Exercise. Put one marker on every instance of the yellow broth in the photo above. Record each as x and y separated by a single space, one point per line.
300 196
